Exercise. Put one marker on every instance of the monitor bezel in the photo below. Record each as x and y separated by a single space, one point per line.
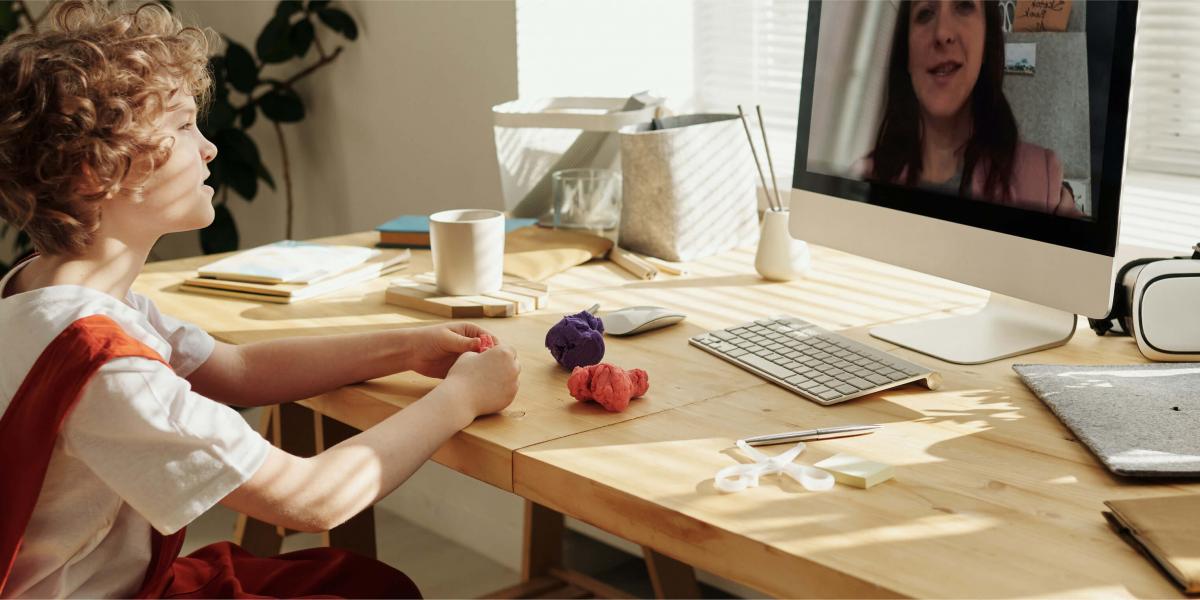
1110 25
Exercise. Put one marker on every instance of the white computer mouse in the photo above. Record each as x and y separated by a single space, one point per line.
639 319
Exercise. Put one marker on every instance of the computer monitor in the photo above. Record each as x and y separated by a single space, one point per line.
983 147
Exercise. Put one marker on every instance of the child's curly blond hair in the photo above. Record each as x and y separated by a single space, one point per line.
80 107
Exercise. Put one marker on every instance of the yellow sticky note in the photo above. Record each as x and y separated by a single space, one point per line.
858 472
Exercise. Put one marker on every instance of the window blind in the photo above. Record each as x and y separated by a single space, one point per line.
1160 199
1165 98
751 52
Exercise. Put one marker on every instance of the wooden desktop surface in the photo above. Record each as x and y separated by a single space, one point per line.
992 495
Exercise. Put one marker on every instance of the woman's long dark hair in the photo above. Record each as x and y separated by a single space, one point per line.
993 141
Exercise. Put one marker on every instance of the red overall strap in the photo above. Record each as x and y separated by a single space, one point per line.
32 422
31 425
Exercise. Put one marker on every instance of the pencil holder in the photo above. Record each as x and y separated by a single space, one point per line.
779 256
688 187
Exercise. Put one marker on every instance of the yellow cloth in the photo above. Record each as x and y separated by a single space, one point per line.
536 253
1165 528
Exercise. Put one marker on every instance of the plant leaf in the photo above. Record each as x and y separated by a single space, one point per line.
222 234
22 243
236 145
287 8
240 68
242 178
8 19
220 115
272 45
216 173
339 21
282 105
315 5
248 116
302 37
216 66
264 175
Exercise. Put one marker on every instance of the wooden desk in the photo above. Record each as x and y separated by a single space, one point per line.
719 292
992 497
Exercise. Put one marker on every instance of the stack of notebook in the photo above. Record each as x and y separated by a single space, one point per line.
289 271
412 231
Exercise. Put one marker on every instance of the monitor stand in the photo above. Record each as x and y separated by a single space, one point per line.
1004 327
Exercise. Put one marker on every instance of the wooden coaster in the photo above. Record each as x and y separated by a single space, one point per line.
515 297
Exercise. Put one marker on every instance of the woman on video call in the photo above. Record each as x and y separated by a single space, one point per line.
947 125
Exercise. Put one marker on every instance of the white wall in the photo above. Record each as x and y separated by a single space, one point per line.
606 48
400 123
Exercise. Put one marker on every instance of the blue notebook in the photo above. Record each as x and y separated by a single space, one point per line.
412 231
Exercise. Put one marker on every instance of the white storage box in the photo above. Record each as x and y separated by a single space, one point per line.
535 138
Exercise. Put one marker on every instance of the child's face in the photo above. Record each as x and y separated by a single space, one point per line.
174 197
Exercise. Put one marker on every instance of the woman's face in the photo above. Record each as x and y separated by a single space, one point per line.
945 53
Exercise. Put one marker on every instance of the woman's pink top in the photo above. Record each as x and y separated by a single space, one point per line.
1036 184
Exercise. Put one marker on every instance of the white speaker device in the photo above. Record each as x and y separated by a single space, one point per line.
1165 310
1157 301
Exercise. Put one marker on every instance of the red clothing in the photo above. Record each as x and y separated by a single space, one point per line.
28 430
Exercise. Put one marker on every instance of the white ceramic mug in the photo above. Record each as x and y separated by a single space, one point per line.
468 250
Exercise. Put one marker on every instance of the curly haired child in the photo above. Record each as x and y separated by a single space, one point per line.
115 431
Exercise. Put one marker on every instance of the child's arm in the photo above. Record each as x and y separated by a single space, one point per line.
289 369
319 493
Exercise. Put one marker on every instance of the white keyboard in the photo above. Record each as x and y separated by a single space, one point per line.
815 363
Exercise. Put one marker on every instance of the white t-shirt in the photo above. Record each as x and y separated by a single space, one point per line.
140 450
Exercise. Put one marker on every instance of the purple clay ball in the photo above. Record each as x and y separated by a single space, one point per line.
577 340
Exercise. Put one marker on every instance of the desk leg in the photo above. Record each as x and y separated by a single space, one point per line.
670 578
542 573
301 432
543 544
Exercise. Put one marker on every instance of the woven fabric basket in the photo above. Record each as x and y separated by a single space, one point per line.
688 187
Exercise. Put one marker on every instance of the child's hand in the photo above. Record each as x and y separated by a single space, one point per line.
486 382
434 349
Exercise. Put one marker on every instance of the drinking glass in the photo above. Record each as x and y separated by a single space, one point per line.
587 199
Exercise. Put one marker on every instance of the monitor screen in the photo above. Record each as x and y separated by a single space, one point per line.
1004 115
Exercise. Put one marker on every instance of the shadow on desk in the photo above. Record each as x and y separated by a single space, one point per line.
313 308
987 484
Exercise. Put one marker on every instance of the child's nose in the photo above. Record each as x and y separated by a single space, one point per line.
208 151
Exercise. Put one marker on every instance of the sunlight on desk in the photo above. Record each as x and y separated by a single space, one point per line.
984 474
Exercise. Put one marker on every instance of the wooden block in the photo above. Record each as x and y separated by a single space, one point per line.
420 292
859 472
540 299
525 283
525 304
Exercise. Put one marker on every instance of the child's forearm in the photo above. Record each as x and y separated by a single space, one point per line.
387 454
319 493
284 370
